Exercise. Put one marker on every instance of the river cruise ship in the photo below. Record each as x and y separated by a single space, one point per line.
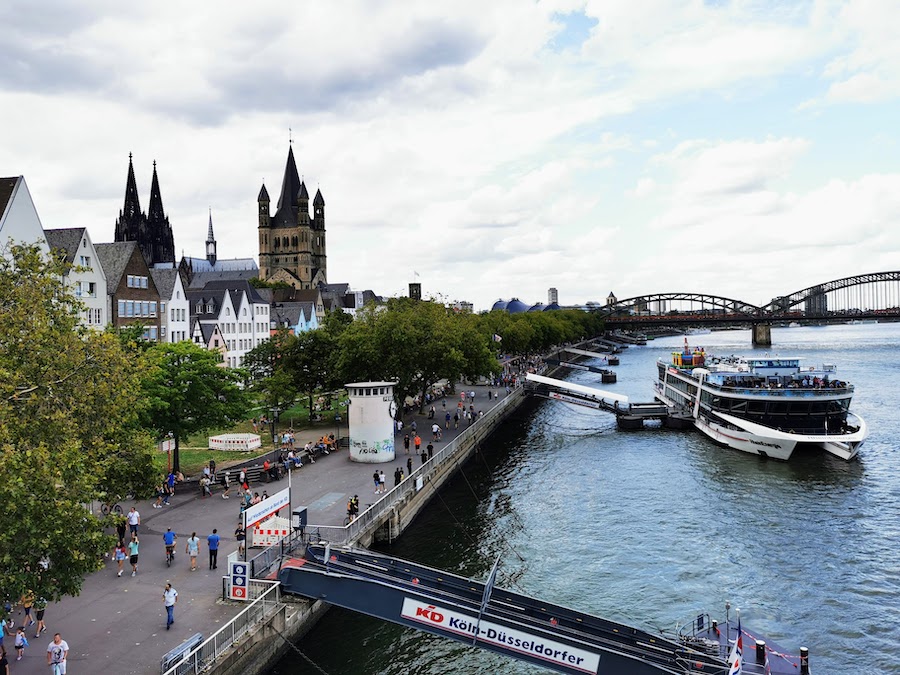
765 405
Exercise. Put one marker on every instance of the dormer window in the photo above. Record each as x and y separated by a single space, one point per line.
209 308
200 307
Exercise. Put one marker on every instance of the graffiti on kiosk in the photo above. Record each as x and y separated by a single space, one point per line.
378 447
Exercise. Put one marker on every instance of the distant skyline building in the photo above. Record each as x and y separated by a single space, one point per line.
152 230
552 296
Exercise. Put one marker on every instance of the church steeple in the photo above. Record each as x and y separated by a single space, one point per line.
211 243
286 213
158 246
130 216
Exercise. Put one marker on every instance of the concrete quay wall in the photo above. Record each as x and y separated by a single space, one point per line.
272 640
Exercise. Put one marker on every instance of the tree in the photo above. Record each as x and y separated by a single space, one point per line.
69 432
188 391
269 379
415 344
310 363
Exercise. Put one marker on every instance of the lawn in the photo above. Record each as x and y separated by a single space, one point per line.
195 454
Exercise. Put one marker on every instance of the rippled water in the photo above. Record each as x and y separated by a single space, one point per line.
651 527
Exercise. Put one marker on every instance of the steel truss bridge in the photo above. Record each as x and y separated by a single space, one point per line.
861 297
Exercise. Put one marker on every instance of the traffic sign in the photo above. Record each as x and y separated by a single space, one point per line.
237 588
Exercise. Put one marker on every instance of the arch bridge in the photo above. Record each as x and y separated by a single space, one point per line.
860 298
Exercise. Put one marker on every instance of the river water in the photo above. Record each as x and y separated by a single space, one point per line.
651 527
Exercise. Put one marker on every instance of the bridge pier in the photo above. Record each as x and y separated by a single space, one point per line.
762 335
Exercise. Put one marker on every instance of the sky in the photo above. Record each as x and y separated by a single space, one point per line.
488 150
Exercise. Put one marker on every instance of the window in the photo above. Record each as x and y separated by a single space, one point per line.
199 308
78 289
228 311
153 308
162 309
245 311
85 261
92 289
162 332
144 282
121 308
173 314
129 308
209 307
145 308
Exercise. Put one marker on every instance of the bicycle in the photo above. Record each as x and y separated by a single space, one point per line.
170 554
106 509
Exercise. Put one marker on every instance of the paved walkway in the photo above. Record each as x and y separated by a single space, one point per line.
118 624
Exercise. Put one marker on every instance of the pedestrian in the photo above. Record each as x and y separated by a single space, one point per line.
398 476
57 651
456 419
170 597
430 448
409 465
226 484
381 481
418 442
435 432
170 482
240 535
431 413
4 664
212 469
134 519
193 550
377 482
447 420
425 455
21 642
169 538
120 554
406 443
133 552
242 479
121 527
27 601
413 426
40 606
213 542
160 493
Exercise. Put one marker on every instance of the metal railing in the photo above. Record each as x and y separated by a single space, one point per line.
267 600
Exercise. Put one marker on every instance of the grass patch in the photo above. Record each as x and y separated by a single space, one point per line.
193 459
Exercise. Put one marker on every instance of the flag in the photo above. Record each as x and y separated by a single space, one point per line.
735 659
497 338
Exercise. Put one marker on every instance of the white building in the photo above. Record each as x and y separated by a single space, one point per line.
174 307
237 312
19 220
86 276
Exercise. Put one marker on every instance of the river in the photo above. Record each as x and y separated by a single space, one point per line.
650 527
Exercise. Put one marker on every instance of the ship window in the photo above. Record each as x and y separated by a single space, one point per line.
756 407
818 407
739 407
778 408
799 408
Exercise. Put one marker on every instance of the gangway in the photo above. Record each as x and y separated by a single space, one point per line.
628 415
585 352
525 628
606 376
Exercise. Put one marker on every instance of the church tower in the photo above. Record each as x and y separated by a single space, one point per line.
291 244
152 231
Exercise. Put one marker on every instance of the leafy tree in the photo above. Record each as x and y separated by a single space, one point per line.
269 379
188 391
69 433
311 363
415 344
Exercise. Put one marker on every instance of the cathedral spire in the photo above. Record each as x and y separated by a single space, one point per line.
130 217
211 242
158 244
290 184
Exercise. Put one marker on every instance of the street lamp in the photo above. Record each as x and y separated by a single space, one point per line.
272 421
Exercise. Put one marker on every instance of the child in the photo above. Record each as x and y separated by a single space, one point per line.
21 642
120 556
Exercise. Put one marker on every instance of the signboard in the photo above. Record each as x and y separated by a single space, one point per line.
267 507
535 646
167 445
238 574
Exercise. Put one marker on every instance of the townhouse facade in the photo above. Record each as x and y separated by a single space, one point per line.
85 277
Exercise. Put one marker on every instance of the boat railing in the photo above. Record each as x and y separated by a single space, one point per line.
785 392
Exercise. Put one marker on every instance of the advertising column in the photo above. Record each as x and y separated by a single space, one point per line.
371 416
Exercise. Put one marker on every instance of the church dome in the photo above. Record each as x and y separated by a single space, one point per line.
516 306
500 305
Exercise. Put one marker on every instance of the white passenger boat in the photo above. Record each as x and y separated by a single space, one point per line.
763 405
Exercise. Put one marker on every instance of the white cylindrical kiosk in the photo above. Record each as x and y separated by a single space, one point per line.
371 417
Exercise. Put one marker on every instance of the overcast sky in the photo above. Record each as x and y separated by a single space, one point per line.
746 149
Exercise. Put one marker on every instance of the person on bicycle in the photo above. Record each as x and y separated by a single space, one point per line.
170 538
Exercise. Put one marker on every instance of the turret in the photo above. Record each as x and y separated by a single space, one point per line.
263 201
319 211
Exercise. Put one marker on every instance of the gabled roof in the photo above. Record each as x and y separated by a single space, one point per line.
7 187
113 259
201 279
235 285
165 279
296 295
65 240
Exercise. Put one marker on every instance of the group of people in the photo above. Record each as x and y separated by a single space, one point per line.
57 650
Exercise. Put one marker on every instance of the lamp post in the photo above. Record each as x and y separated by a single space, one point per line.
272 421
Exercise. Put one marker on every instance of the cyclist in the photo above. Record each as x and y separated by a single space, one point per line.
170 538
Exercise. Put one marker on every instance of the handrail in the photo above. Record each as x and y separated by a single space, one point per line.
223 639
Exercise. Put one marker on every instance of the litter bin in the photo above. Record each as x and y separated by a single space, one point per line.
298 519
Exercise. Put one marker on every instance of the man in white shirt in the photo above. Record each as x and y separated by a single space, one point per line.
134 519
57 652
170 596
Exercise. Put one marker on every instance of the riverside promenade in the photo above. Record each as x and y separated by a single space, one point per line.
118 624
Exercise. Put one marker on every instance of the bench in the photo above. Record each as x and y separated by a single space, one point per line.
177 655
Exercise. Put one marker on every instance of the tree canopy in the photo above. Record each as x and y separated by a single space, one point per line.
69 429
188 391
